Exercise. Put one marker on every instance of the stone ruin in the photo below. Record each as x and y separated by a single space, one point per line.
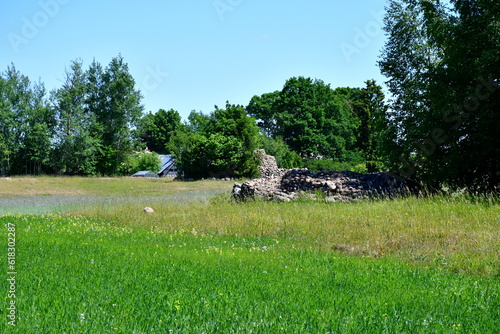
268 166
333 186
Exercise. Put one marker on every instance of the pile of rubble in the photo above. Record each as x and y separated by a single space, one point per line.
268 166
333 186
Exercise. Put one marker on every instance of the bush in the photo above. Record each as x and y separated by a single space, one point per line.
138 161
218 145
317 165
215 155
285 157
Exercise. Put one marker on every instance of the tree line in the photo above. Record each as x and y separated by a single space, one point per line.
94 125
306 124
439 127
85 127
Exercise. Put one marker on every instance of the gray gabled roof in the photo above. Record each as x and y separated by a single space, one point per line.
167 162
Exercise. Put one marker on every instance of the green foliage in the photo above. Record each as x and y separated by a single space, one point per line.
199 122
118 112
443 68
148 161
219 145
87 129
6 128
317 121
285 157
146 131
371 112
312 120
140 161
262 108
156 130
76 145
213 156
26 125
318 165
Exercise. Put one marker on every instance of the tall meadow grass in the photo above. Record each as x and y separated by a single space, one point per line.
90 260
447 233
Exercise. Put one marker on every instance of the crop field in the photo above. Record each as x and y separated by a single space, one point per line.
87 259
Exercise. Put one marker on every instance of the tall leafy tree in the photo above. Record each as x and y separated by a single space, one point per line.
442 65
167 123
89 127
234 122
146 131
7 128
408 59
470 69
38 134
372 127
117 106
262 109
26 123
368 106
157 129
313 120
76 144
341 125
95 97
199 122
217 145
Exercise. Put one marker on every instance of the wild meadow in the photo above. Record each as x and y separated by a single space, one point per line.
89 260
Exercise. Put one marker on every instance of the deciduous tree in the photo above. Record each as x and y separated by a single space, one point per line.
76 142
117 107
157 129
218 145
443 69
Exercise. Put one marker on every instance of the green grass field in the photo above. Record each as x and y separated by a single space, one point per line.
96 263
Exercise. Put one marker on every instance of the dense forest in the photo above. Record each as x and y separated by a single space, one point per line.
439 127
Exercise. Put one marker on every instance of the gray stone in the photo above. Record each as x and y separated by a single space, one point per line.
280 184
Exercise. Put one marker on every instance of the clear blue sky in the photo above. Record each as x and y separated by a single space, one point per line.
192 55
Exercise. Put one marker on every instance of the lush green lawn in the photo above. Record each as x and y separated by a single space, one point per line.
105 266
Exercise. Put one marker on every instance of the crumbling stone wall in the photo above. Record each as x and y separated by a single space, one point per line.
334 186
268 166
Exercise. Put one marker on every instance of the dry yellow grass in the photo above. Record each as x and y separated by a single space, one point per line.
95 186
456 233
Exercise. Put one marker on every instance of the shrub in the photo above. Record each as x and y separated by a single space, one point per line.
138 161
